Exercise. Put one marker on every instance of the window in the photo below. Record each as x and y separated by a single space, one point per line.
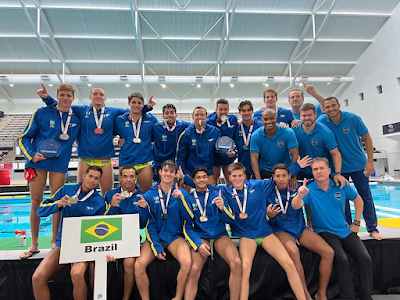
361 96
379 89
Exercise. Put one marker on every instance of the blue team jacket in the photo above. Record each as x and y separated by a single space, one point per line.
126 206
94 205
45 123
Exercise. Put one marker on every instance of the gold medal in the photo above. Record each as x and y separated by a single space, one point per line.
64 136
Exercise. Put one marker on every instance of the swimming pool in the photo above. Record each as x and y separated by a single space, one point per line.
14 211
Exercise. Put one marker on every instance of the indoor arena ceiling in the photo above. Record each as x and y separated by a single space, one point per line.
169 47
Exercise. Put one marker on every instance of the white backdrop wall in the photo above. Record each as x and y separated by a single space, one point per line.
378 65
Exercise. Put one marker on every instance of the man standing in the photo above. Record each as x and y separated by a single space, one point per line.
348 129
327 202
243 134
165 136
271 145
47 144
282 114
296 100
315 140
226 123
196 145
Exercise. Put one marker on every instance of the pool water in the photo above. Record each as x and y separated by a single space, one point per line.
14 211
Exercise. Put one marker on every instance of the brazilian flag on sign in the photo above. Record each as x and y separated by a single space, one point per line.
101 230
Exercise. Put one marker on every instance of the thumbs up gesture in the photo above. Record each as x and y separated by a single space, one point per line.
303 190
43 92
177 193
219 201
142 202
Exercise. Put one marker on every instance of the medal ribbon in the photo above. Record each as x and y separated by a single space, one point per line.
87 195
166 126
164 207
136 130
220 123
98 121
241 208
278 194
64 128
202 212
130 193
200 131
246 140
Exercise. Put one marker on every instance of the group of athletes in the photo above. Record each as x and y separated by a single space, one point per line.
185 211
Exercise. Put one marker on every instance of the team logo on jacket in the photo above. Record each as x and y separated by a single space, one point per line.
240 133
194 206
194 142
314 142
52 123
338 195
346 129
156 200
280 143
164 138
87 115
126 123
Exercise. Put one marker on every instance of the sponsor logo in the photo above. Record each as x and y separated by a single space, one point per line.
338 195
146 121
98 230
251 191
346 129
210 140
314 142
280 143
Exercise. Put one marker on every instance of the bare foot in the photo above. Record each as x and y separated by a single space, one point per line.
376 235
319 296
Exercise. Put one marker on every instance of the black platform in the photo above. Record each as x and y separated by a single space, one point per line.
268 280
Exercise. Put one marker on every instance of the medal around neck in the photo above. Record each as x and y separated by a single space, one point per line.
224 118
73 200
125 194
49 148
203 219
64 136
225 144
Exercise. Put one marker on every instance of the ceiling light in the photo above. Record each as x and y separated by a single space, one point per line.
296 83
328 83
266 84
127 85
163 86
50 84
11 84
198 85
231 85
300 84
89 84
